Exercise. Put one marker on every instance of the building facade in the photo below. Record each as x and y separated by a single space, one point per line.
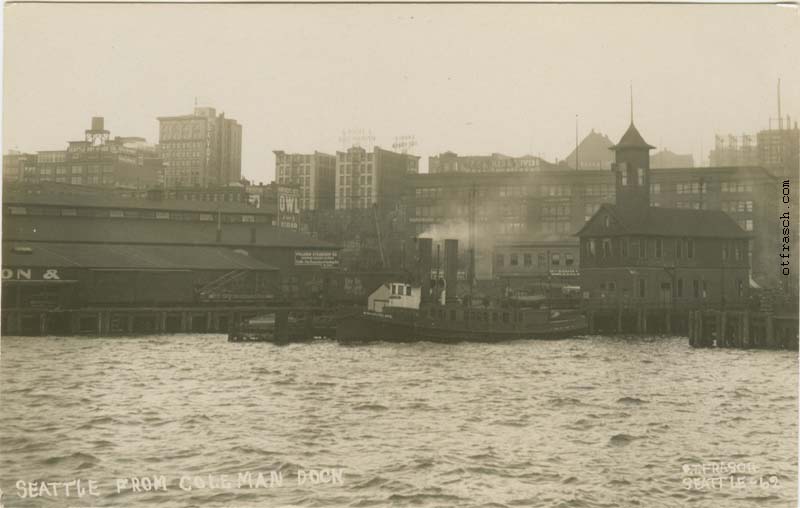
201 149
551 206
450 162
96 160
378 178
313 173
637 256
779 150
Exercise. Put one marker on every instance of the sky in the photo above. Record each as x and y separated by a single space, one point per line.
473 79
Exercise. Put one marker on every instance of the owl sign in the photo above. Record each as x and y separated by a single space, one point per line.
288 203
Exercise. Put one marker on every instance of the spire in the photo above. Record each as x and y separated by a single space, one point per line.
631 84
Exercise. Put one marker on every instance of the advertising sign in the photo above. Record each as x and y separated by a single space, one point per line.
320 258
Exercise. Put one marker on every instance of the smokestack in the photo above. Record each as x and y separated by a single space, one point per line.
451 270
424 255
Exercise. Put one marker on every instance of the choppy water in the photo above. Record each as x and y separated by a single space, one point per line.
576 423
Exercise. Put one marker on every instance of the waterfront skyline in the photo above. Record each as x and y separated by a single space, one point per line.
475 80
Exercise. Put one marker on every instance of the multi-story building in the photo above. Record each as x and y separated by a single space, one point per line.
96 160
15 164
313 173
551 206
70 201
734 151
637 257
592 153
668 159
450 162
380 177
779 150
200 149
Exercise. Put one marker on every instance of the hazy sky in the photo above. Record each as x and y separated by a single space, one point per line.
473 79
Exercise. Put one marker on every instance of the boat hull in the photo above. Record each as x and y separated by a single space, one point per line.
371 327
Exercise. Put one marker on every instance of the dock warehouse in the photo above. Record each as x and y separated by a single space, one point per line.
66 288
304 262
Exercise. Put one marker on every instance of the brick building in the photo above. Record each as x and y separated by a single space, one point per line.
313 173
364 179
96 160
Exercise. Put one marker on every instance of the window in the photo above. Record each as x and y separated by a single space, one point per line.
542 260
725 252
642 288
642 248
569 259
162 215
116 213
640 173
655 188
624 177
689 248
624 247
680 287
696 288
739 288
69 212
248 218
527 259
499 260
607 247
678 248
592 247
514 260
408 290
659 247
555 259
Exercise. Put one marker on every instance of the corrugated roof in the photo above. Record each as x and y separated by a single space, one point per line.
143 257
631 139
119 203
141 231
657 221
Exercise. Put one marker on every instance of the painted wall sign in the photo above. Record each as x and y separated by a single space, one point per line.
31 274
321 258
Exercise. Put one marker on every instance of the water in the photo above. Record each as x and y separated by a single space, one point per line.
576 423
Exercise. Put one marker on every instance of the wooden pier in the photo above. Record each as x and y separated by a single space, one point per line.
742 329
109 321
771 328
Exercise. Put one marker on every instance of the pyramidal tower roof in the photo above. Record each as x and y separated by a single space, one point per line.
632 139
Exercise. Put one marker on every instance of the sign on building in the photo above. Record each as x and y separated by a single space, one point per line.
288 207
319 258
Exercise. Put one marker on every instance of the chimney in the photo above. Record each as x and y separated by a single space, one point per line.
253 235
424 255
451 271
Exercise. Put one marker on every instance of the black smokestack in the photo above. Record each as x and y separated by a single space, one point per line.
451 270
424 255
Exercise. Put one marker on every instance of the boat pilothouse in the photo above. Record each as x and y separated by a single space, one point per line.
399 311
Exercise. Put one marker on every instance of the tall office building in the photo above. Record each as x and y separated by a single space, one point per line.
200 149
313 173
364 179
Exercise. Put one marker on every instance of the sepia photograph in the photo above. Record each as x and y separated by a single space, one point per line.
438 255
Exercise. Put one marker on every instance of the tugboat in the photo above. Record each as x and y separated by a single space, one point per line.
416 313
